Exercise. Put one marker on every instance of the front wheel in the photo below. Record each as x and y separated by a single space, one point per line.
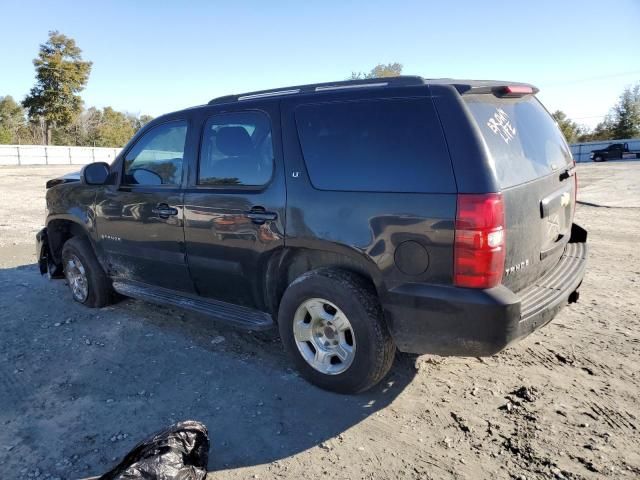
331 324
88 283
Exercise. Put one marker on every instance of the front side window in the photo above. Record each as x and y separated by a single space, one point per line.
156 159
236 150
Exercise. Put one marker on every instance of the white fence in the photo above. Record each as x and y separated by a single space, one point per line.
582 151
55 155
41 155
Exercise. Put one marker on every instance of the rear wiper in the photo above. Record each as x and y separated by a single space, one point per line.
569 172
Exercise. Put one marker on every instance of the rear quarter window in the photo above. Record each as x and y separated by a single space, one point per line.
388 145
523 139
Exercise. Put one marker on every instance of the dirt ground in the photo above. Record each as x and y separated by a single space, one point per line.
79 387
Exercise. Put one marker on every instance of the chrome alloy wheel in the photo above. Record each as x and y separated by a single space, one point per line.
77 278
324 336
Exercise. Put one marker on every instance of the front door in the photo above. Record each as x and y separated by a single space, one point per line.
140 221
234 204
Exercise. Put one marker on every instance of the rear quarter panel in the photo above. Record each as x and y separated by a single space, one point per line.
366 226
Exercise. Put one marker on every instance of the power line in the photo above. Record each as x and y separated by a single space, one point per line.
591 79
592 116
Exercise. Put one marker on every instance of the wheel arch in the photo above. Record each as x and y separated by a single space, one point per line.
289 263
59 230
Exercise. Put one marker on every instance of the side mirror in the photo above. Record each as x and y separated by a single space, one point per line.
95 173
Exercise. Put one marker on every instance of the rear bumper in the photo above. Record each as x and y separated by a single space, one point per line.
446 320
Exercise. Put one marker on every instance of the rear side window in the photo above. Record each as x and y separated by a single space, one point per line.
523 139
236 150
391 145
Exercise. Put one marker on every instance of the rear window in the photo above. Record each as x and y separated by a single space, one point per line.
393 145
523 139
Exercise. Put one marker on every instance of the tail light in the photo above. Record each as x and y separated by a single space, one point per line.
479 248
515 91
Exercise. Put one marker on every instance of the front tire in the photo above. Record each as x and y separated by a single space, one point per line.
332 326
87 280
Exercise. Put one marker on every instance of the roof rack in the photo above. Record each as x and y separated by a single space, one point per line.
401 81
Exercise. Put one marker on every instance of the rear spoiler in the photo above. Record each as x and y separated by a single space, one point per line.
499 90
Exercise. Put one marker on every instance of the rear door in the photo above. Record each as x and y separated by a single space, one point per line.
235 203
534 170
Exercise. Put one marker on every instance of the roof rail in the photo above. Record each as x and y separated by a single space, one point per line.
401 81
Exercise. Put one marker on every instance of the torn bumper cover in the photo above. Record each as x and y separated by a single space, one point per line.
43 254
42 250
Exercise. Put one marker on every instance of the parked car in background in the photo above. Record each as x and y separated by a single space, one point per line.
615 151
360 217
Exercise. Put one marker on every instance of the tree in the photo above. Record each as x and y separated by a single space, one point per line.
12 120
379 71
140 121
60 75
570 129
99 128
115 129
626 114
5 136
603 131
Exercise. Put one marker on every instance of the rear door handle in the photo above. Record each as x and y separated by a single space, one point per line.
164 211
259 215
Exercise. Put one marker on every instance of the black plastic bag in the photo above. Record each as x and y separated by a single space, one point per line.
180 452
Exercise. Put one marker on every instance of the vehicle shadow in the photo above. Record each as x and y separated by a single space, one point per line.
95 382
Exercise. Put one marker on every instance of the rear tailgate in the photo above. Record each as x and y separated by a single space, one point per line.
534 169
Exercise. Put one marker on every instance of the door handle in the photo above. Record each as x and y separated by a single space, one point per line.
259 215
164 211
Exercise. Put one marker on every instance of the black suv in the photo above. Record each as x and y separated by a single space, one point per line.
431 216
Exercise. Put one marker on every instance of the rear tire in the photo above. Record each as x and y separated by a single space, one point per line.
87 280
347 328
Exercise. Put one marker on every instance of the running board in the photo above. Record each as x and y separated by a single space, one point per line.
241 317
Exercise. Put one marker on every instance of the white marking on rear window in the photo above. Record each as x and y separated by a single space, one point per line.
500 124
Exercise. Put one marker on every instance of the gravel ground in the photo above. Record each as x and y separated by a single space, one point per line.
79 387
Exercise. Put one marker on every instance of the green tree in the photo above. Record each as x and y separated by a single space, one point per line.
5 136
379 71
91 120
114 129
626 114
12 120
60 75
570 129
140 121
100 128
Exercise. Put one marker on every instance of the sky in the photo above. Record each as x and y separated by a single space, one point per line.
152 57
